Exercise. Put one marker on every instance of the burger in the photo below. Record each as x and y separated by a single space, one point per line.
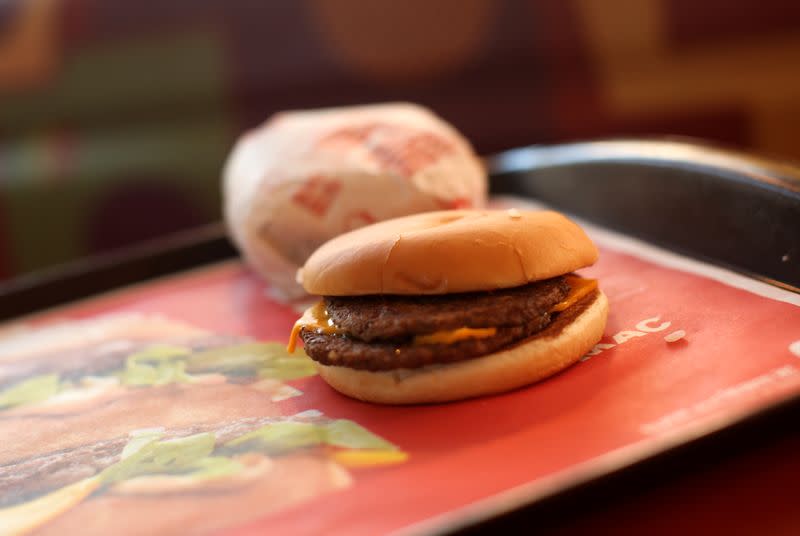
448 305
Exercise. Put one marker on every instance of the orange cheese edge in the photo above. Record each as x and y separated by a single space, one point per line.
453 335
317 318
578 289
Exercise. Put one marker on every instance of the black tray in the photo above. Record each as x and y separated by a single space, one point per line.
726 208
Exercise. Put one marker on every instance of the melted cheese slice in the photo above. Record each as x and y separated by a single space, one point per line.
316 318
453 335
579 288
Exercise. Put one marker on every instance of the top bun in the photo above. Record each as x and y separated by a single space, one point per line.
448 251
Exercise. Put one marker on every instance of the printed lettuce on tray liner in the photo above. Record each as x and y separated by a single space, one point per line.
158 364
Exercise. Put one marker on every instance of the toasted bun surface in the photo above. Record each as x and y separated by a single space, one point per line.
509 369
448 251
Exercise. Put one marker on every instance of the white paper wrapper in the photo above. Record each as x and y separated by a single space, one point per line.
304 177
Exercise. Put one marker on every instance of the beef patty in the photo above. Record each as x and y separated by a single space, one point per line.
349 351
394 318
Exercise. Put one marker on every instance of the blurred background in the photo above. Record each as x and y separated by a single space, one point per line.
116 116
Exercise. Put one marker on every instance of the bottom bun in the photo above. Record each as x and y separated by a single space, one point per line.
520 365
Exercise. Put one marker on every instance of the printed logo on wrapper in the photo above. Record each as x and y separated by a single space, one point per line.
358 218
316 194
454 204
395 148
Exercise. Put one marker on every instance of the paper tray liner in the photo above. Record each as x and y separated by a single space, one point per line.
733 352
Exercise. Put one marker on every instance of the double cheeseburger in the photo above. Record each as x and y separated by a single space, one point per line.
449 305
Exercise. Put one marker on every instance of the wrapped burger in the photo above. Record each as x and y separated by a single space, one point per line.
306 176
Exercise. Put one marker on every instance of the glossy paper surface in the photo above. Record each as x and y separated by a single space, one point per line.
686 350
